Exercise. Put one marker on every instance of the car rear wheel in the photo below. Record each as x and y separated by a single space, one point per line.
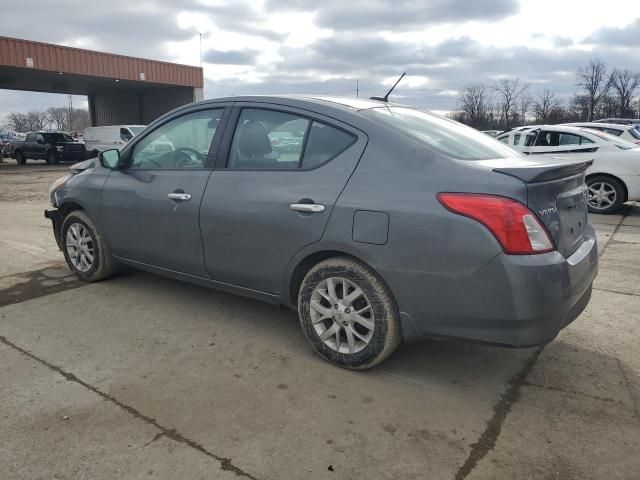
347 314
20 158
52 158
85 251
605 194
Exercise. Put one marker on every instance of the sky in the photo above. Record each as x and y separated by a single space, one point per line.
326 46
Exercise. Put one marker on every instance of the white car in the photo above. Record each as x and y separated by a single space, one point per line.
630 133
97 139
614 177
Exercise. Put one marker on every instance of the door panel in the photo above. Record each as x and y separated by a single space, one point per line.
150 209
249 230
144 225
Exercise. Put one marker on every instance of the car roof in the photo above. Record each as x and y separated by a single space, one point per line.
617 126
342 103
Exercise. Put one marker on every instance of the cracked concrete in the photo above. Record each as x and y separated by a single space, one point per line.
144 377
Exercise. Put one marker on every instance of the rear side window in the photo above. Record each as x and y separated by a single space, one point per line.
634 133
559 139
440 134
273 140
325 143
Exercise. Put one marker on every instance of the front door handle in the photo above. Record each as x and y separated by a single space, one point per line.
307 207
181 197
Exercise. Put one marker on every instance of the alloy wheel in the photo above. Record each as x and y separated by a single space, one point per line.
80 247
601 195
341 315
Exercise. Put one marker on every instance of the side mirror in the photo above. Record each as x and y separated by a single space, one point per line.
109 158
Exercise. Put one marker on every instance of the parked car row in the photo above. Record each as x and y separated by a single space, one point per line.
614 176
56 147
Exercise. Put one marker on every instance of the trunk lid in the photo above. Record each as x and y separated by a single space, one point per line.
557 194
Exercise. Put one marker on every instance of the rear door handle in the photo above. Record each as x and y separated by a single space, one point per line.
182 197
307 207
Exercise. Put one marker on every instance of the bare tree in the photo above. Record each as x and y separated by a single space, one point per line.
594 81
37 120
58 117
544 104
81 120
624 83
18 122
525 104
475 105
508 92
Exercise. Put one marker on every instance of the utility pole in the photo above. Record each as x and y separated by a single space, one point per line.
357 89
200 49
70 113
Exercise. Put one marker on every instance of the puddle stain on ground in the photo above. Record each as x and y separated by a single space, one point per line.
39 283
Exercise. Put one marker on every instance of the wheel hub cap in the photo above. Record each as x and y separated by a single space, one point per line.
601 195
342 315
80 248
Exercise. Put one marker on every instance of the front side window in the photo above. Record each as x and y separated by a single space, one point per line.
181 143
504 139
31 137
516 139
39 138
272 140
440 134
125 135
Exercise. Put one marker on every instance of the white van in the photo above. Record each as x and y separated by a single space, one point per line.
97 139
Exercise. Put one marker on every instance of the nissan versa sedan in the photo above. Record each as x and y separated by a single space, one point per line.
379 223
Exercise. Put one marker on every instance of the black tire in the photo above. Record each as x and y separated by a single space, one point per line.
20 158
384 314
52 158
612 185
103 265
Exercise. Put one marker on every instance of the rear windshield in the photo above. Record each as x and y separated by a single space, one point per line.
620 143
57 137
135 130
445 136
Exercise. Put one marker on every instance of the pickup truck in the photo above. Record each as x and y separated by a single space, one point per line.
52 147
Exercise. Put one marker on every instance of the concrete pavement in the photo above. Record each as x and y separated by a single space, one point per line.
145 377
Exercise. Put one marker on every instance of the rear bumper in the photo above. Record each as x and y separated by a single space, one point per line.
54 216
513 300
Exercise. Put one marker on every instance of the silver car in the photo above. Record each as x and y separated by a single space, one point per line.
379 223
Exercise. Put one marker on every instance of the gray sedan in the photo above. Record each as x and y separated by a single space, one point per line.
379 223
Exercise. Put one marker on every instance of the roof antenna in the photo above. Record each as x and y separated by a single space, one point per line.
386 97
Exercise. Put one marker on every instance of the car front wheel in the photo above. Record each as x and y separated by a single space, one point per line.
52 158
85 251
347 314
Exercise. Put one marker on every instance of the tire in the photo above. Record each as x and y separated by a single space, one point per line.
52 158
20 158
102 266
317 317
606 194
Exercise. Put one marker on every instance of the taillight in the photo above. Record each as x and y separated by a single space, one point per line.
513 224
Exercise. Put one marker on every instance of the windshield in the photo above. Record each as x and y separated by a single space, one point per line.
57 137
445 136
136 130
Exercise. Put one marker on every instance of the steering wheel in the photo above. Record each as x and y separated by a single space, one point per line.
188 157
